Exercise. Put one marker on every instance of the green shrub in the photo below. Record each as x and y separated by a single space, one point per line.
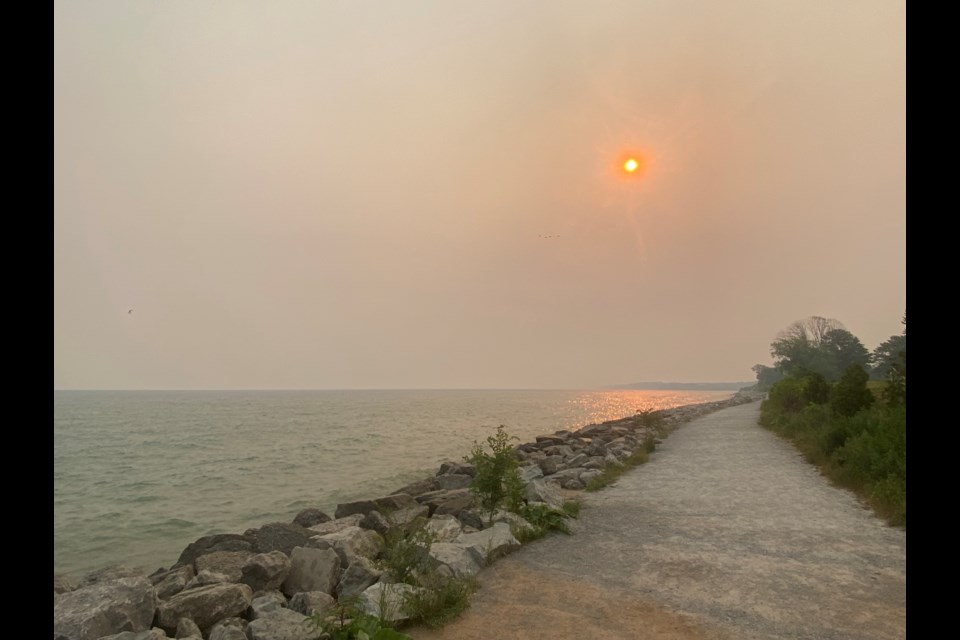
406 554
496 480
443 600
851 394
348 621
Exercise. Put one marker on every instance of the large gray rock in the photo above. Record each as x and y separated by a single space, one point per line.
209 544
543 491
409 518
312 570
265 602
386 601
551 464
461 561
375 521
461 468
454 481
187 628
109 574
359 575
152 634
386 504
338 524
419 487
516 522
265 571
530 472
64 584
494 542
279 536
229 629
204 578
229 563
350 543
443 528
104 608
283 624
309 603
172 582
309 517
204 605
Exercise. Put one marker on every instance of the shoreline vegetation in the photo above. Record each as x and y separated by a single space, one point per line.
844 408
410 557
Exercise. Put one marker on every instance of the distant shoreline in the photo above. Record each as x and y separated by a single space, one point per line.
685 386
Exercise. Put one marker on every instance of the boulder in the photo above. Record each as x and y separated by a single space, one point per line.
64 584
454 481
309 517
337 525
461 468
516 522
104 608
172 582
279 536
530 472
543 491
283 624
265 602
187 628
386 600
461 561
209 544
470 518
384 504
551 464
350 544
204 578
443 528
420 487
265 571
312 570
359 575
229 563
495 542
407 517
204 605
309 603
152 634
229 629
107 574
375 521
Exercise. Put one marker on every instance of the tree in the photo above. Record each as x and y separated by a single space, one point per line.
846 349
804 347
887 354
496 479
851 394
766 376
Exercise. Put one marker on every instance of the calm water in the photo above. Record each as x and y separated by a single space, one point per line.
138 475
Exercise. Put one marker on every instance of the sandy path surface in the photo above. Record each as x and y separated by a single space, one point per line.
727 533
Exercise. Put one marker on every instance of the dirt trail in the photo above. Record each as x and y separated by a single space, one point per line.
727 533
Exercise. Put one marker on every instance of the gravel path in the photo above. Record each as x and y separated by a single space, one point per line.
726 533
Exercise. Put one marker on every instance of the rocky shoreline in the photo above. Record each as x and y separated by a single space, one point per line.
264 583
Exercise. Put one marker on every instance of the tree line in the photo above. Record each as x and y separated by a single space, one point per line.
823 346
821 398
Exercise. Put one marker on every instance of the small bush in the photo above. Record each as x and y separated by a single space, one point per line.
348 621
443 600
496 480
406 554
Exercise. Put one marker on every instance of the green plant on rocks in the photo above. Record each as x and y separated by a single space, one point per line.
441 601
496 481
406 554
348 621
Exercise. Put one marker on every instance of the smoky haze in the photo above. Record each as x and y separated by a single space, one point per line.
404 195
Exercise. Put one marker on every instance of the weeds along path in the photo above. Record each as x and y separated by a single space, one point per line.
727 533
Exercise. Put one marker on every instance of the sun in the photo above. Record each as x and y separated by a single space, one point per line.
631 165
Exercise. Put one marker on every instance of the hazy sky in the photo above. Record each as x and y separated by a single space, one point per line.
358 194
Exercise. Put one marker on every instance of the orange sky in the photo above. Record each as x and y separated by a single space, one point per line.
431 194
